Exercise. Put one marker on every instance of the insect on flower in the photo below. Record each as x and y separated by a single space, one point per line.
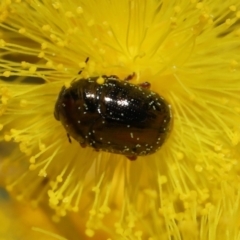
113 115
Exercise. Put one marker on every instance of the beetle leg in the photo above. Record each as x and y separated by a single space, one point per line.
83 145
132 158
145 85
130 77
112 76
69 138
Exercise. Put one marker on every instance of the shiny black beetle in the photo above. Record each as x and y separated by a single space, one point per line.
114 116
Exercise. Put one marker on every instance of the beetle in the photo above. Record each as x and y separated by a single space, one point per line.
113 115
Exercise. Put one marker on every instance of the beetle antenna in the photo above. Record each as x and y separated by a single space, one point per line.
83 68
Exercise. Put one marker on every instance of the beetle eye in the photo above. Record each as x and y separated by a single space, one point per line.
56 110
56 113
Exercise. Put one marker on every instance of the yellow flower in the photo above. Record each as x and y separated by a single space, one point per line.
17 220
190 53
